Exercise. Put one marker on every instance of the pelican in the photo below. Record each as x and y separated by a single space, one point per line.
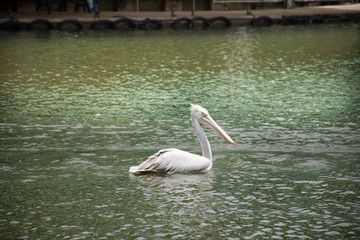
174 160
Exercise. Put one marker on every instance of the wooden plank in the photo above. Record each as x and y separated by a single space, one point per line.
246 1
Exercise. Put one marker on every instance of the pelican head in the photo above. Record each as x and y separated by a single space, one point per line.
201 115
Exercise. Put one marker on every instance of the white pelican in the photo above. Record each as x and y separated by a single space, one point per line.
174 160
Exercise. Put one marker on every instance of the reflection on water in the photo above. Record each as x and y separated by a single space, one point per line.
77 111
185 198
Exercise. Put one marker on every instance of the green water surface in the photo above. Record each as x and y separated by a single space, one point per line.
77 110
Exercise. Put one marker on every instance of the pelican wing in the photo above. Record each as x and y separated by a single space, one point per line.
173 160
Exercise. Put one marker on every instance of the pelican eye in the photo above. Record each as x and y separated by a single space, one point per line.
203 114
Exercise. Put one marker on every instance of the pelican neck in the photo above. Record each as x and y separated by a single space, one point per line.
204 142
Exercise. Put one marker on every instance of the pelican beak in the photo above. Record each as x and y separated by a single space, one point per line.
208 121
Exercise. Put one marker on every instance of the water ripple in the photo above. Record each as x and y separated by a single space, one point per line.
70 128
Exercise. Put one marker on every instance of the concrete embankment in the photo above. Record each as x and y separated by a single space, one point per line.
262 17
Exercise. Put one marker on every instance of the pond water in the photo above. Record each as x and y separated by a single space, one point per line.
77 110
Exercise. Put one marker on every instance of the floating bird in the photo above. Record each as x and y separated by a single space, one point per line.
174 160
